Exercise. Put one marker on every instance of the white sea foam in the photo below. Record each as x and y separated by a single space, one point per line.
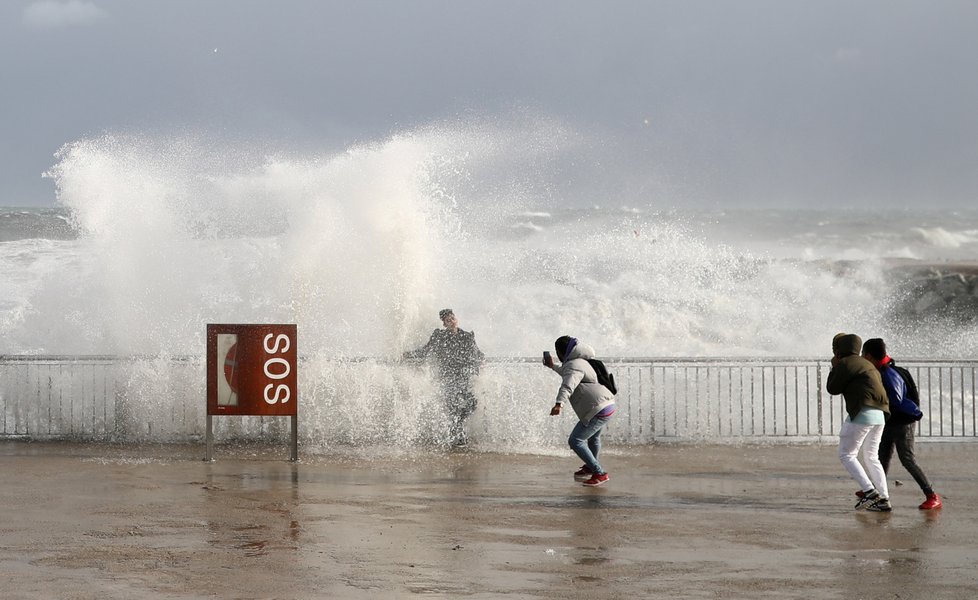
360 249
526 225
942 238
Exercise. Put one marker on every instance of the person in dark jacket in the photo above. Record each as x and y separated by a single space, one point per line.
904 414
866 410
457 360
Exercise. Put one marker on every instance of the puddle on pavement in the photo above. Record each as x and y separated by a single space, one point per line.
527 532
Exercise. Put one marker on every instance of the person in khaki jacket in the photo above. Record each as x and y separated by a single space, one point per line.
867 408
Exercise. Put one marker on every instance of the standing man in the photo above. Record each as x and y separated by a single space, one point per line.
457 361
904 412
866 408
593 403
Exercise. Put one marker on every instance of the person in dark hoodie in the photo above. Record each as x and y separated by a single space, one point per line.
592 402
904 414
867 408
457 360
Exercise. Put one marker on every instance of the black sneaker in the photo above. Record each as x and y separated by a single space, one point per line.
868 499
881 505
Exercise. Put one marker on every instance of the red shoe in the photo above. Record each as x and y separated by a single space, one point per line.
596 480
860 494
583 474
932 501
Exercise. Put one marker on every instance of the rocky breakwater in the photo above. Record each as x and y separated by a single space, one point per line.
941 291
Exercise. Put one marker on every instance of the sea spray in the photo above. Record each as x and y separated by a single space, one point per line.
361 248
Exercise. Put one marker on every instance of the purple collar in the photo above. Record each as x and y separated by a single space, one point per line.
570 346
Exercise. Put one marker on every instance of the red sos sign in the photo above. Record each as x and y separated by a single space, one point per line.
251 370
277 368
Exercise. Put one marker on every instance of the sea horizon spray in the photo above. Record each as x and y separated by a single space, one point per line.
361 249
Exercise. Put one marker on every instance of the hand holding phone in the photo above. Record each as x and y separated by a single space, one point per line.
547 359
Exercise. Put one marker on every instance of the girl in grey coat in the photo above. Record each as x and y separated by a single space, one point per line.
592 402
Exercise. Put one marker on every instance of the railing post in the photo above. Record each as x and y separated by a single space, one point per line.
652 412
818 377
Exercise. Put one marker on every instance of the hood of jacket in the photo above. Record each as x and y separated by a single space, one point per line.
580 350
846 344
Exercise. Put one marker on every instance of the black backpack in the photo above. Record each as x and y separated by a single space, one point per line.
604 377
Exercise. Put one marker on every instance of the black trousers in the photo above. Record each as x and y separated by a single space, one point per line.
901 436
459 402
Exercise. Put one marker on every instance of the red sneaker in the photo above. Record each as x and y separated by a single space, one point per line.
583 474
932 501
860 494
596 479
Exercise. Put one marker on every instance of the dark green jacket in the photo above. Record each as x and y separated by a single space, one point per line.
856 379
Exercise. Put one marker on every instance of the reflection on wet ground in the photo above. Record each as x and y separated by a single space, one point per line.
674 521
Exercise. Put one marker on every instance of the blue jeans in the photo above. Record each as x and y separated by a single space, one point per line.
585 441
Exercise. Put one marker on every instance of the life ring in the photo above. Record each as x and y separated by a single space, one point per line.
231 367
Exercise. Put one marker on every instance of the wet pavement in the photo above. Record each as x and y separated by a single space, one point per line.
102 521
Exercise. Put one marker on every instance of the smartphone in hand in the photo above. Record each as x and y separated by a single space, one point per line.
547 360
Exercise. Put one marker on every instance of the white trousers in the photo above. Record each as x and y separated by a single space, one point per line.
854 437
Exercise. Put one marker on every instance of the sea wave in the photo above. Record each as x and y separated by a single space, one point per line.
526 225
361 249
942 238
36 223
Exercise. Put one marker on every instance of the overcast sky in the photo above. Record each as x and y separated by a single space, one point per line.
737 103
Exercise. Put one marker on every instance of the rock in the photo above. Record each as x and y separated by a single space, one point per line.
950 286
944 292
929 302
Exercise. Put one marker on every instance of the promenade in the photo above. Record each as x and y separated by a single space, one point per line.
91 521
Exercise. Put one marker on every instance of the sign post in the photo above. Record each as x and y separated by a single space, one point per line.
251 370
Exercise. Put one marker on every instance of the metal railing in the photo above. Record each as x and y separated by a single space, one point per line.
682 399
716 398
100 397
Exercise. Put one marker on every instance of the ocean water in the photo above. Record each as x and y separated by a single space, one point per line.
154 238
